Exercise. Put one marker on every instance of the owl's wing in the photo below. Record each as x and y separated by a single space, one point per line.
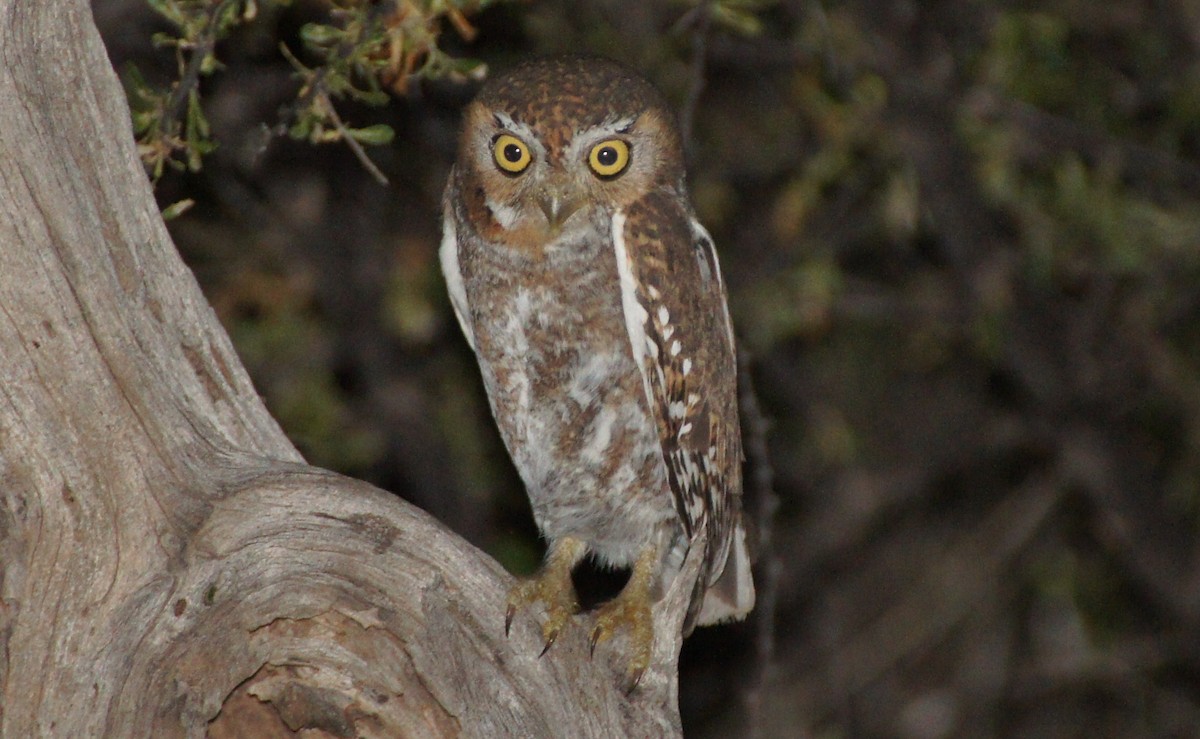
677 319
448 255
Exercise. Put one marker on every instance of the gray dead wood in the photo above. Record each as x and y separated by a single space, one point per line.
169 565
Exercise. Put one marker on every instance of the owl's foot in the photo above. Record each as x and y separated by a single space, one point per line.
558 598
552 587
631 610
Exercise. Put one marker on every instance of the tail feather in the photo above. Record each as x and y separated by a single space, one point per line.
731 597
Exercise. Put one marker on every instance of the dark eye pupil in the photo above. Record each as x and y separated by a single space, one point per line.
512 153
607 156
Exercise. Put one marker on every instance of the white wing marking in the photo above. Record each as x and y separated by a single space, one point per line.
635 314
448 255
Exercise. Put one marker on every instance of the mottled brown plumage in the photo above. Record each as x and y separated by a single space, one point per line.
594 303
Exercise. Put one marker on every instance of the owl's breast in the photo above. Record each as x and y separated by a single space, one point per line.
565 390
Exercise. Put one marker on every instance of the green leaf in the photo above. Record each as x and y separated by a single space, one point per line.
162 38
316 34
376 135
737 20
302 128
168 10
209 64
141 96
374 98
471 69
196 122
174 210
197 135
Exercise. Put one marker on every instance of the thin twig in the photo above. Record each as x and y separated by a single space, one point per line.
314 90
352 142
189 79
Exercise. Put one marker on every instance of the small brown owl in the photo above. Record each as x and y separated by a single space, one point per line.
594 303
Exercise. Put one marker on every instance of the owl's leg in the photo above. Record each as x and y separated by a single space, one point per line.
551 586
631 609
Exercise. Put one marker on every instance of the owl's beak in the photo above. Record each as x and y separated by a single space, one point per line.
558 207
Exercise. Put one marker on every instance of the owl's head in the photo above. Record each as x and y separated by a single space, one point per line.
551 141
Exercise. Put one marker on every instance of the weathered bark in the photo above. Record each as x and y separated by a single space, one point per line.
170 565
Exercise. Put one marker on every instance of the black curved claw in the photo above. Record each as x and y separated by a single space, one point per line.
637 679
549 643
508 617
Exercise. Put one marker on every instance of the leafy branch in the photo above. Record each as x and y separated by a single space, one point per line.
170 125
367 49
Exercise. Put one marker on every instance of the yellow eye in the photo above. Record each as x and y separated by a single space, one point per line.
511 154
609 158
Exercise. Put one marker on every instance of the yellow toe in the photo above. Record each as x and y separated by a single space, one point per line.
552 587
631 611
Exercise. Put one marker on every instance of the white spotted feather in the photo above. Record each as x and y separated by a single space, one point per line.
695 476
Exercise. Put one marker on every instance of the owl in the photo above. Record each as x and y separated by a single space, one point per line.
595 306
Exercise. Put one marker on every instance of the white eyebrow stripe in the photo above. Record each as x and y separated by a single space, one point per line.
504 120
510 124
619 125
584 139
521 131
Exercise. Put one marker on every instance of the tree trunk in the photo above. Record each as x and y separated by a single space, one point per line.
169 565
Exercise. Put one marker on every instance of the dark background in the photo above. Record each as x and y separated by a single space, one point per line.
962 241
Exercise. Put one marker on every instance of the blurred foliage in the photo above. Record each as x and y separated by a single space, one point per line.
272 322
363 47
963 248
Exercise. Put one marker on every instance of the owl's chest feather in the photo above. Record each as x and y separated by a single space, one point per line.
564 388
